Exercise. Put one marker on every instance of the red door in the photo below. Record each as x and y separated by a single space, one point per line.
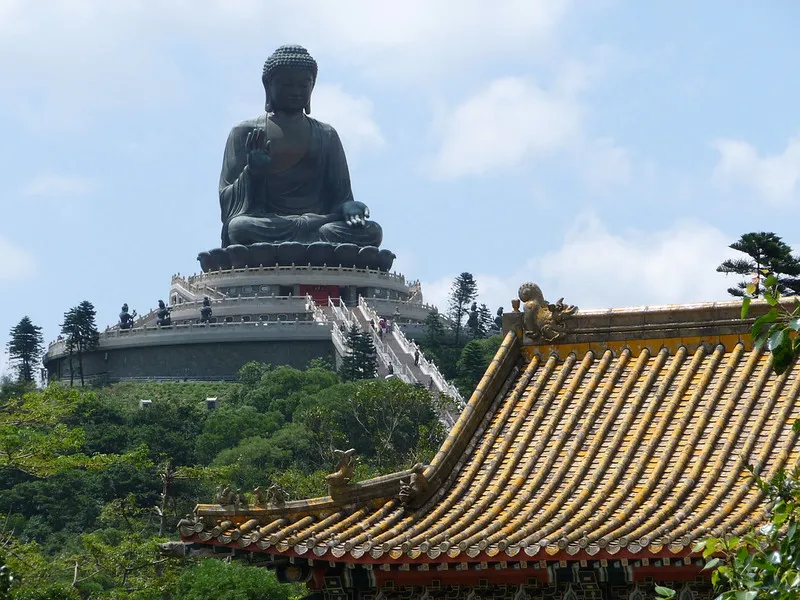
320 293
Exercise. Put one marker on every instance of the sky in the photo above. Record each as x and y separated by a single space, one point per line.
608 150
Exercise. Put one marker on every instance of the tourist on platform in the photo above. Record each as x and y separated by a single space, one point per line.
416 357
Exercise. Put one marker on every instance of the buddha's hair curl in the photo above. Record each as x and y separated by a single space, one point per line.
290 56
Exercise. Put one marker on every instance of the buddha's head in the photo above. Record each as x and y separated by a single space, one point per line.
288 77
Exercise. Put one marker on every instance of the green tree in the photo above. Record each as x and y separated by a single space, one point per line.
479 321
768 254
251 373
434 328
284 388
25 348
257 460
230 426
471 365
463 291
485 318
386 420
777 329
231 581
80 331
37 441
361 361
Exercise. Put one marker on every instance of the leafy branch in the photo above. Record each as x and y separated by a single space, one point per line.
778 327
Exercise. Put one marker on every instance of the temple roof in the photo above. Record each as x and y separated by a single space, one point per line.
618 439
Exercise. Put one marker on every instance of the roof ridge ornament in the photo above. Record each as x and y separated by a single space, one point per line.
413 487
543 321
274 494
345 468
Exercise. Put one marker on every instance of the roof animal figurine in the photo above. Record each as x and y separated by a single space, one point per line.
274 494
277 495
543 321
260 496
224 496
413 487
238 498
345 468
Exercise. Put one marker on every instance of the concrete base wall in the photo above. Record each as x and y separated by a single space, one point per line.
203 361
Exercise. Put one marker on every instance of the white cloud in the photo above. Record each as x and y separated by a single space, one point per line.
54 185
392 41
17 263
597 268
142 55
351 115
604 163
516 120
774 178
418 37
512 119
493 291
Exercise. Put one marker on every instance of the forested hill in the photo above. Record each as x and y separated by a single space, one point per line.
83 473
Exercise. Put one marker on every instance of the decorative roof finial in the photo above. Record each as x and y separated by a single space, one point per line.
543 321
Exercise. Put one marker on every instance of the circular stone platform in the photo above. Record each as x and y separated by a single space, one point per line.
320 254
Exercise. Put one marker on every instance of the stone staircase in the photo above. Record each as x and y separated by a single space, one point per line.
392 347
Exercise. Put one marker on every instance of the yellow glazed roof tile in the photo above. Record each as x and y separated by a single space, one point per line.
633 449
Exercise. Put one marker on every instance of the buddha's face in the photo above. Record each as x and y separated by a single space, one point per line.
290 90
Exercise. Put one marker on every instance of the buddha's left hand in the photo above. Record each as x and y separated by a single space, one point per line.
355 213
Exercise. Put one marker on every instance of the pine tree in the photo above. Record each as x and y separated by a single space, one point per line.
485 318
434 329
471 366
81 334
463 291
767 252
69 329
25 348
361 361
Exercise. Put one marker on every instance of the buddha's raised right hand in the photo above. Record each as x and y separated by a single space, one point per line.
257 146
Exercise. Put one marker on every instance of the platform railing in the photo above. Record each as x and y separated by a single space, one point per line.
341 314
291 269
400 368
59 346
318 314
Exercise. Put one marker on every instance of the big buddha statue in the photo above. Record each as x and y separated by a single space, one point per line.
284 174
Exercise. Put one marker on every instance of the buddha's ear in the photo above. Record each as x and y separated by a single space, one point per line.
268 102
307 109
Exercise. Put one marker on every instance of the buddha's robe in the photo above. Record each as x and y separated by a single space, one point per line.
286 205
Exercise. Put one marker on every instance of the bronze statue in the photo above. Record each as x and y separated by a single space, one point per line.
163 318
205 310
284 175
126 318
543 321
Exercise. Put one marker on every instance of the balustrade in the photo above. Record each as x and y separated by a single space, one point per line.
428 368
295 269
